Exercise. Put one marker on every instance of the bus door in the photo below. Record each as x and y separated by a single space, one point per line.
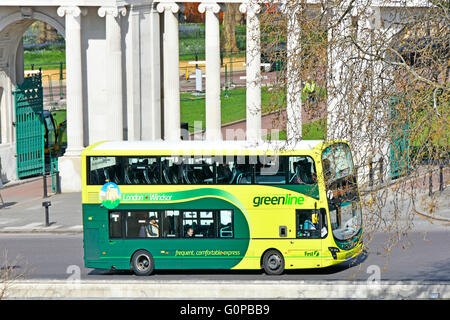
115 244
93 236
311 228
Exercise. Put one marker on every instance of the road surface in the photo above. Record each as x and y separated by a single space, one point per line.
60 256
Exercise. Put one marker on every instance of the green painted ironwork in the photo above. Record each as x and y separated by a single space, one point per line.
29 105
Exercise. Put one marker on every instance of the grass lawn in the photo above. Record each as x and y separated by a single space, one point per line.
193 107
315 130
233 106
46 59
233 109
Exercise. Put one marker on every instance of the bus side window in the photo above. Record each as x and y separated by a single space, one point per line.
307 224
207 224
270 170
311 224
115 225
226 224
190 222
171 224
201 223
135 224
102 170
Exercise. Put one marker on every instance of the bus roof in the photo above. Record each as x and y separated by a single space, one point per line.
161 146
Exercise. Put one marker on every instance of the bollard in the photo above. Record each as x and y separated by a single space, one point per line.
58 183
45 185
441 177
46 204
430 187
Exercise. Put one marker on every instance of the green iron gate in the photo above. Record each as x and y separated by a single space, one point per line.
29 104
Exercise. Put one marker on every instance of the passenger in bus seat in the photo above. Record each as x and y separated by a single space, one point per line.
152 227
305 172
296 178
190 233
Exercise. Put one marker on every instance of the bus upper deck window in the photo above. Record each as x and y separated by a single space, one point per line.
302 170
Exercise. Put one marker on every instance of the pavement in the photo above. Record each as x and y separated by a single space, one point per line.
22 210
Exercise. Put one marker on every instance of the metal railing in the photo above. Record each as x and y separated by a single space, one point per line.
53 81
430 174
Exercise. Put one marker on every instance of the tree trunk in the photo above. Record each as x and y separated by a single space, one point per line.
228 37
46 33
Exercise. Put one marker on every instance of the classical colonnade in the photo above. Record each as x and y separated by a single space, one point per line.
170 78
122 64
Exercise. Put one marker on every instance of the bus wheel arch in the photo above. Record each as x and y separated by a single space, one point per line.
272 262
142 263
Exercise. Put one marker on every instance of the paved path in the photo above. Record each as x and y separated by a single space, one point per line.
23 211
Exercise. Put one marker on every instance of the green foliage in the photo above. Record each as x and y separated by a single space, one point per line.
46 59
314 130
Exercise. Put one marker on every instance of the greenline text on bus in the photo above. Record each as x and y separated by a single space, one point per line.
286 199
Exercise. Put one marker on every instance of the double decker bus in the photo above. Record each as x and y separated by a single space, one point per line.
228 205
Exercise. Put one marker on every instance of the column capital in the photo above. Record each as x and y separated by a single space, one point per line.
250 7
112 10
209 6
172 6
74 11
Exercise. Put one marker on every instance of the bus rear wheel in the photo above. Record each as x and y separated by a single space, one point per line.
273 262
142 263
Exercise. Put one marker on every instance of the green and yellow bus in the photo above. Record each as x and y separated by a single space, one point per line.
228 205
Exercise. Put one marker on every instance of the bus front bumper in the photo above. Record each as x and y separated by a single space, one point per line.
339 256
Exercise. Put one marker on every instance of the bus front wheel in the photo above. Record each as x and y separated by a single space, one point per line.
273 262
142 263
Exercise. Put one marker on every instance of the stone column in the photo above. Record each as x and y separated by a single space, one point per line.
171 83
155 80
113 70
339 51
212 46
70 164
143 73
136 89
253 72
74 83
356 106
293 78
